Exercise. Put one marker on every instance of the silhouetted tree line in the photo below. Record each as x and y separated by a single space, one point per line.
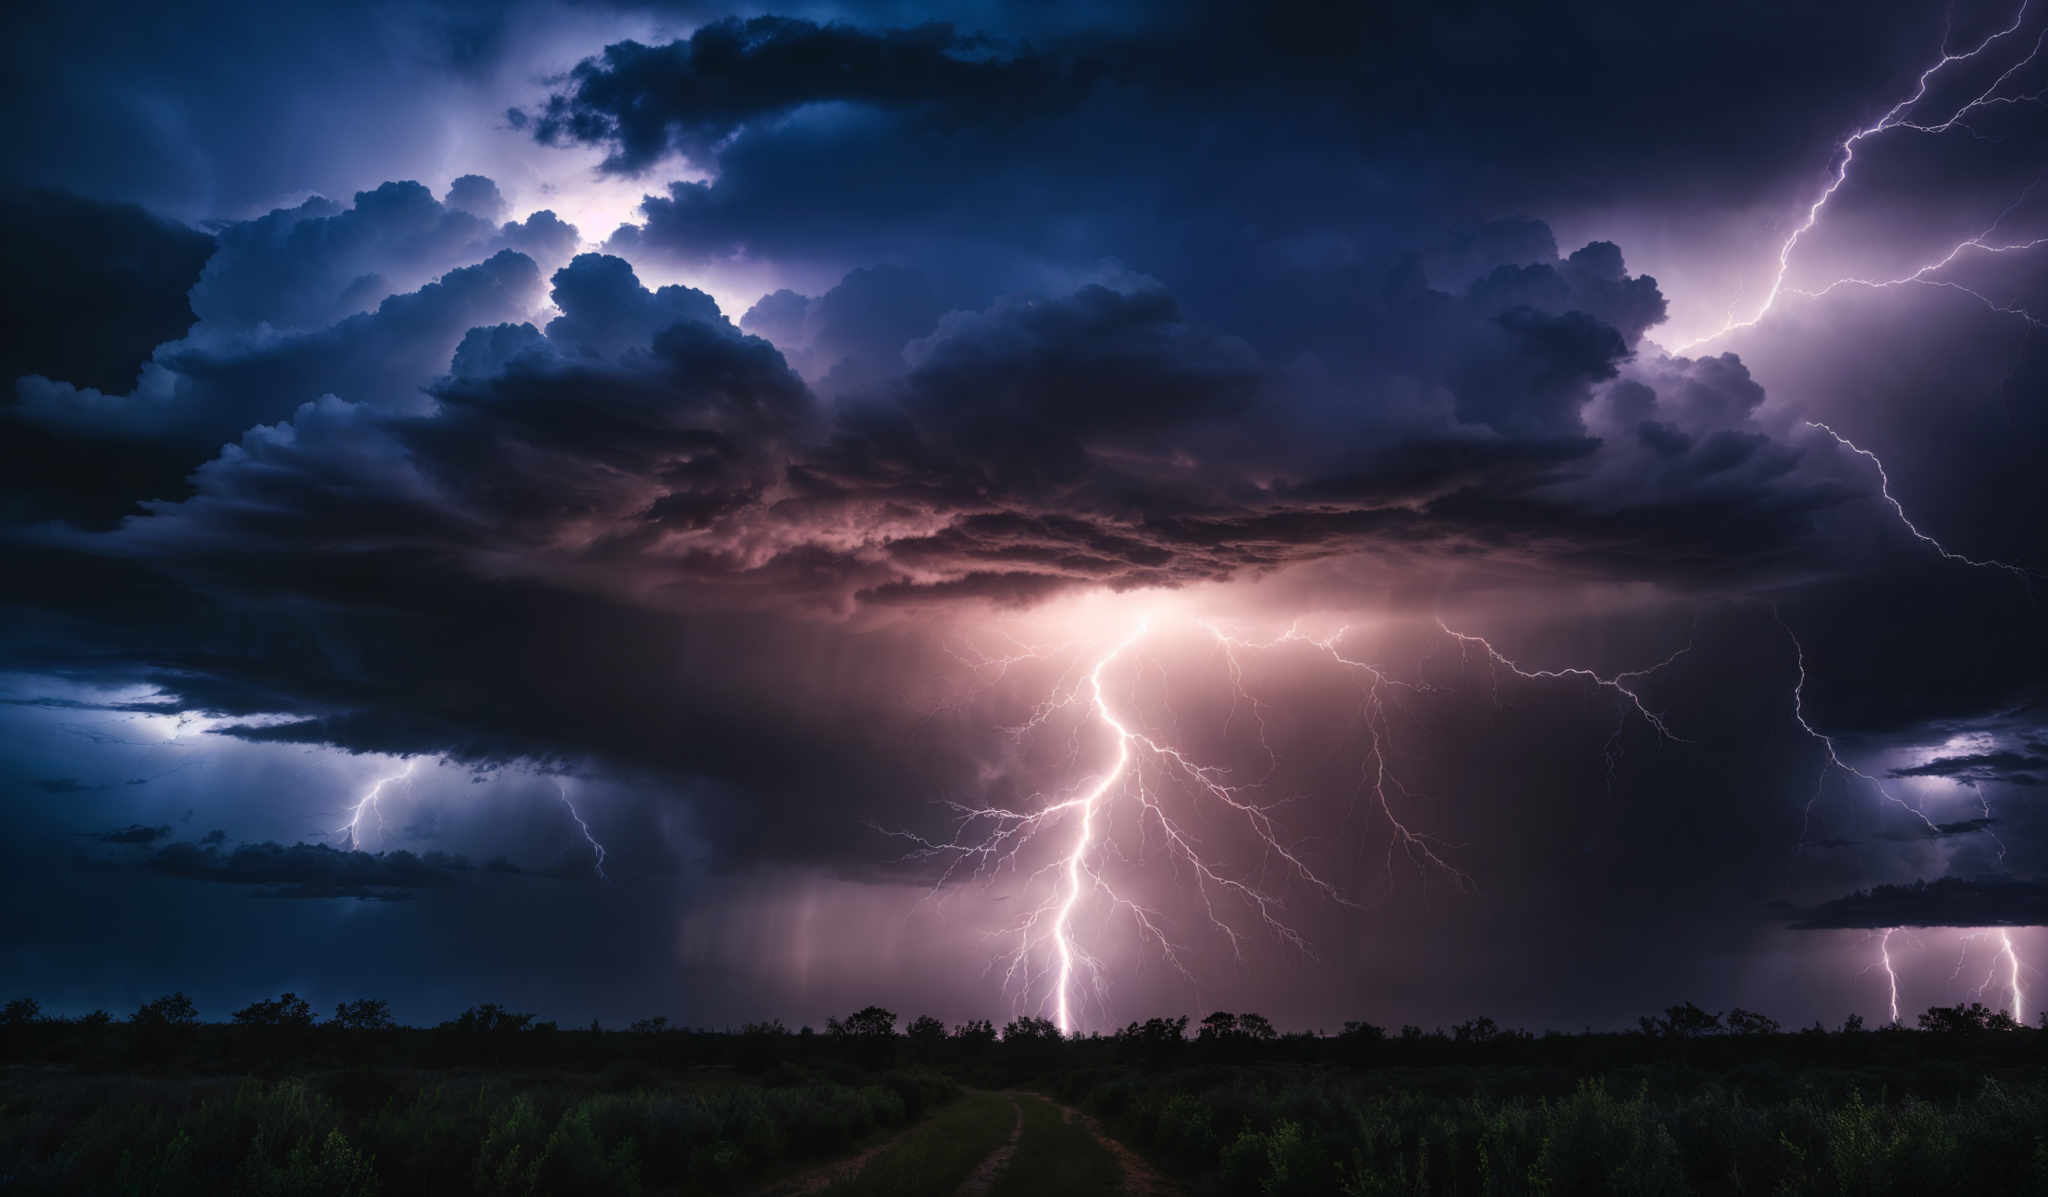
285 1031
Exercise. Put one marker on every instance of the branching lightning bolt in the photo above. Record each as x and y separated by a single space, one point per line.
1834 757
369 802
1923 275
1621 683
1375 776
1884 483
1900 116
1047 952
986 839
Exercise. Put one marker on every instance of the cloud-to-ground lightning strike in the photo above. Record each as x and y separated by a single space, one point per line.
992 837
1891 975
985 839
2012 961
1884 484
1900 116
596 848
369 802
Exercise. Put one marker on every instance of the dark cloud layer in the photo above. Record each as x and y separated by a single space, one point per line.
1982 768
109 286
310 870
1947 902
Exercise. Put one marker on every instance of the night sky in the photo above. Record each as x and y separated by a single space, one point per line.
1400 512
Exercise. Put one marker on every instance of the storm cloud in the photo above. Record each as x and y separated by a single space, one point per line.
771 519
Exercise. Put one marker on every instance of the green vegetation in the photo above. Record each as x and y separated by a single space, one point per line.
1278 1132
932 1160
276 1102
1057 1156
350 1134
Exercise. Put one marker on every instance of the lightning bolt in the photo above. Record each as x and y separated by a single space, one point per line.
2015 1000
1921 276
1899 116
1827 742
1884 956
2012 959
1620 683
369 802
1375 776
596 848
1884 483
1144 770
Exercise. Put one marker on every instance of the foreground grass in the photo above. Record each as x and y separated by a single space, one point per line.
1279 1133
1057 1156
355 1135
933 1159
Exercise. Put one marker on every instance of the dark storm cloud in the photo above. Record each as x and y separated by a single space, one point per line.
134 834
1135 298
203 394
1339 125
1979 768
311 870
1948 902
310 266
105 285
648 102
292 306
643 445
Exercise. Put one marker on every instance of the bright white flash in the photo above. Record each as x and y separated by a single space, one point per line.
1902 115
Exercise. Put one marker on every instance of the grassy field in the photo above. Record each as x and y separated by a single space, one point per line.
935 1157
501 1103
1057 1156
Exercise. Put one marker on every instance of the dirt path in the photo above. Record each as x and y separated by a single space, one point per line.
824 1176
1140 1178
986 1172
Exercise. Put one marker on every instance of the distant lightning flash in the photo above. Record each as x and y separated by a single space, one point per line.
369 802
596 848
1901 116
987 839
372 803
